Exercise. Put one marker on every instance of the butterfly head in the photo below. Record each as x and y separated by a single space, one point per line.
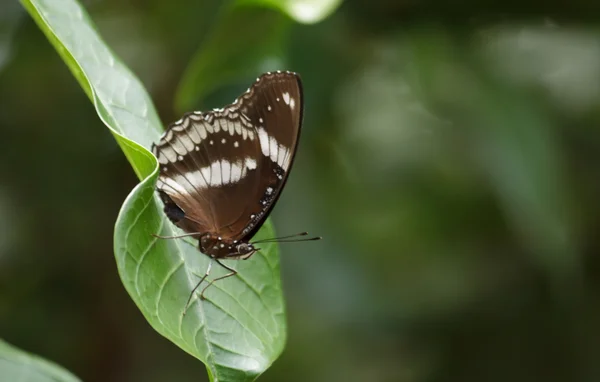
220 248
245 250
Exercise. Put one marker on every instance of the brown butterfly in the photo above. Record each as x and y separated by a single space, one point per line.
222 171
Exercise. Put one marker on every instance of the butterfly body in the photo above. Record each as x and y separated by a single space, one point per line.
222 171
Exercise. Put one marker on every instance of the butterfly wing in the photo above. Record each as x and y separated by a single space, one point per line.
223 171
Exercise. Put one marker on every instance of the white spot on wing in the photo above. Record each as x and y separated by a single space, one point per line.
201 131
218 173
197 179
273 149
187 142
224 125
281 156
184 183
175 186
162 158
236 172
264 141
250 163
292 103
206 173
286 98
193 134
226 171
215 173
178 146
169 153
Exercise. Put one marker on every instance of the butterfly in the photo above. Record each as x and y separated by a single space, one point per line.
222 171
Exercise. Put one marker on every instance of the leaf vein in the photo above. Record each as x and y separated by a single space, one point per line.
161 288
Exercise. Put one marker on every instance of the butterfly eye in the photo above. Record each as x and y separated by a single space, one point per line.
206 242
244 248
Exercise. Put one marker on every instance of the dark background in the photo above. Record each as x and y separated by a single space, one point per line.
450 157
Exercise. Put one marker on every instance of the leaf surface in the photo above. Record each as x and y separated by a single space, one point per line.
17 365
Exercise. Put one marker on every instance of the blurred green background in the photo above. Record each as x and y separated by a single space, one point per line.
450 157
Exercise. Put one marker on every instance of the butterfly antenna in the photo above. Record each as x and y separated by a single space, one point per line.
297 240
279 238
285 239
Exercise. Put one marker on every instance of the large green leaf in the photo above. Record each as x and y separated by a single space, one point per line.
239 330
17 365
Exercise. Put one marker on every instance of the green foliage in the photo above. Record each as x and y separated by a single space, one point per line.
17 365
240 329
229 55
450 159
249 38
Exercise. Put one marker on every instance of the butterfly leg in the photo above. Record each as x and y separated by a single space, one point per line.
250 254
232 272
187 305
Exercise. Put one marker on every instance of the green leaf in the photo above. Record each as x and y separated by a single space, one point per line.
240 329
228 55
302 11
17 365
